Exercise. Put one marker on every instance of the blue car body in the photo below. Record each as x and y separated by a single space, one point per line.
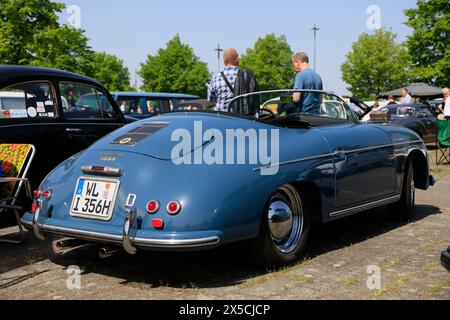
348 166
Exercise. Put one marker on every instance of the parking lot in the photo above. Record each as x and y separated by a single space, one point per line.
338 260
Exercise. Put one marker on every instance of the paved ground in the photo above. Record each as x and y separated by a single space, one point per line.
335 268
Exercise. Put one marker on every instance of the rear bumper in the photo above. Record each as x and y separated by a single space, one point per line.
188 240
445 259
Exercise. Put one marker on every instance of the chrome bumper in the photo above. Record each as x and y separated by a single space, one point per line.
119 240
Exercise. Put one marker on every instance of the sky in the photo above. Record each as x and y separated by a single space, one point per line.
133 29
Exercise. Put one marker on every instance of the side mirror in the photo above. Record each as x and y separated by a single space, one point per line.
364 107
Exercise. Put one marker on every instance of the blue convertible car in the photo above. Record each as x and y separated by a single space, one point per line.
264 172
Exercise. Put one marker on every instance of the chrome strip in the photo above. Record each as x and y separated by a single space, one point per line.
366 206
335 153
154 243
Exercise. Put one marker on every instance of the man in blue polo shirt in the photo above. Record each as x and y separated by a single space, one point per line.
306 79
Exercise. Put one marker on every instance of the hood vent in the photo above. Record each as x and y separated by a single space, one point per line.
138 134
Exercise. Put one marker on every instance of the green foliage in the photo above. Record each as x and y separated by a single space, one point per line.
271 62
111 72
64 48
429 45
175 69
20 21
375 64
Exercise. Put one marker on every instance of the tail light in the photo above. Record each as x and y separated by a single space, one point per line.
174 207
34 207
153 207
47 194
36 193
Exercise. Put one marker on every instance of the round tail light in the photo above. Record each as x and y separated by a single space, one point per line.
36 193
174 207
153 207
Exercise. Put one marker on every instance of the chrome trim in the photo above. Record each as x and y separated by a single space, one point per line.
107 171
337 153
141 242
366 206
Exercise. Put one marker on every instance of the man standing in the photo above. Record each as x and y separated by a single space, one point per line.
306 79
445 107
406 97
221 86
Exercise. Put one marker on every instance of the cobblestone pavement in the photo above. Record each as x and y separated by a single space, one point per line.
336 266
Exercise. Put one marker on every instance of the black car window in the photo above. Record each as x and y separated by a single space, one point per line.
27 100
143 105
80 101
427 112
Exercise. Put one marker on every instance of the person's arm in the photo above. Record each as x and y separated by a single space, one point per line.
441 108
212 96
297 96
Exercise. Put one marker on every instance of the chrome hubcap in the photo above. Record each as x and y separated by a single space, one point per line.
285 216
280 220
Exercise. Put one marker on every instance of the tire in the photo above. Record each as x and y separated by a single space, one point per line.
283 237
404 208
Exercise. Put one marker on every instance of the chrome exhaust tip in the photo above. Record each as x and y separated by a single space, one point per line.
64 245
108 252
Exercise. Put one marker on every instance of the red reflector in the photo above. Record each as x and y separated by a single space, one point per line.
34 208
157 223
153 206
173 207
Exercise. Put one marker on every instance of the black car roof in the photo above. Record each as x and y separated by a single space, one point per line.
8 73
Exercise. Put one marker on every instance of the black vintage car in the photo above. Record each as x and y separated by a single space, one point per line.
59 112
417 117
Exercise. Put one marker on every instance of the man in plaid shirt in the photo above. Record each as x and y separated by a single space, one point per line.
218 89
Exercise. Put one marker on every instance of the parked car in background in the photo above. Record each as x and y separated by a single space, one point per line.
60 113
196 105
142 105
416 117
137 189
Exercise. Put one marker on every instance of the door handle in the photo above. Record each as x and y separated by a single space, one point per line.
340 154
74 130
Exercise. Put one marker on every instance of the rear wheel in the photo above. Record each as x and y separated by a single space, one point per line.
405 207
285 228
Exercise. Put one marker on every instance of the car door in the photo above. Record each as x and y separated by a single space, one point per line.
29 115
364 164
429 122
88 113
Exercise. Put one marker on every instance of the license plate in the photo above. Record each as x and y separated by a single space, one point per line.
94 198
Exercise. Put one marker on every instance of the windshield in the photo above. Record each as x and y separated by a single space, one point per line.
293 104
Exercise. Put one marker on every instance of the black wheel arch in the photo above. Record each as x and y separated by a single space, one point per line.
421 170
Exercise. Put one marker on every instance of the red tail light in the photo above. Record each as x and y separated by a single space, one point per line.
174 207
153 207
34 208
37 193
47 194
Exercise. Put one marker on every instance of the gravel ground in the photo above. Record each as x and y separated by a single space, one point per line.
340 254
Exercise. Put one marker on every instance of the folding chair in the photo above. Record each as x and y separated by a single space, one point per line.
443 142
15 161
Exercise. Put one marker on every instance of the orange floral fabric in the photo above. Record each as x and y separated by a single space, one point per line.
12 158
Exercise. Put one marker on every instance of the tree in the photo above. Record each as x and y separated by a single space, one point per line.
271 62
429 45
30 34
375 64
64 48
20 20
175 69
111 72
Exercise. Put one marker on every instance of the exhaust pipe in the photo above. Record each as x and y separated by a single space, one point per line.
108 252
64 245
